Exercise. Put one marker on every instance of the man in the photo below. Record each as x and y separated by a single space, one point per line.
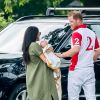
81 71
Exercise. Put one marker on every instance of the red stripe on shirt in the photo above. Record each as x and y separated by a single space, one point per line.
96 43
74 61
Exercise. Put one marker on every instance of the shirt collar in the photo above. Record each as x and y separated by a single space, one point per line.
81 26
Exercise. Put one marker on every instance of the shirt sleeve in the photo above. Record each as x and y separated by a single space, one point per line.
76 38
36 49
96 43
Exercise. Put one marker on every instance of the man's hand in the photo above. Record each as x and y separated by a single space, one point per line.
58 55
50 49
95 58
69 53
96 54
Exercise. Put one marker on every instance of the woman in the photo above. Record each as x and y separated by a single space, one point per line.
39 78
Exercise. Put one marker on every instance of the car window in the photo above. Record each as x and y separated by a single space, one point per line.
11 38
65 42
56 36
66 45
96 29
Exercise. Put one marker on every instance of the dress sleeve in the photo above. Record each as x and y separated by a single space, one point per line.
36 49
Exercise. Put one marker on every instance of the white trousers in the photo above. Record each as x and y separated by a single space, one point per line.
81 78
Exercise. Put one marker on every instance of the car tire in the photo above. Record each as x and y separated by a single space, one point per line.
19 92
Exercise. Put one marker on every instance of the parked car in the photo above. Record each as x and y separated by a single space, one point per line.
12 68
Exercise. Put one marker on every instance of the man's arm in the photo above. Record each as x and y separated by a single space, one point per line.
70 52
96 54
76 42
97 49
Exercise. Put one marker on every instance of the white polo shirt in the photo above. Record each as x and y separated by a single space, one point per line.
88 42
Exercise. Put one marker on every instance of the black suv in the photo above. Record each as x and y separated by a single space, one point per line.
58 33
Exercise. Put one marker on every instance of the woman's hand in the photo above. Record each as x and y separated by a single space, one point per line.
48 63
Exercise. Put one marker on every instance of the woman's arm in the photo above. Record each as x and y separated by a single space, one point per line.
96 54
42 56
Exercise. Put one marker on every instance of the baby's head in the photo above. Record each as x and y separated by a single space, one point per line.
44 43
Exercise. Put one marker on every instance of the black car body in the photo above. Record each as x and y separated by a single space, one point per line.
12 68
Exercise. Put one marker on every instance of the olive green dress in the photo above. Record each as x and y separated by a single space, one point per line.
39 78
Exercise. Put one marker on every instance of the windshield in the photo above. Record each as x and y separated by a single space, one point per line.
11 38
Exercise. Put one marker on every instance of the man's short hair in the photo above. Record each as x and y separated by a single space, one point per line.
75 15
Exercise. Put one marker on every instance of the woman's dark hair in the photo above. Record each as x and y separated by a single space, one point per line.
31 35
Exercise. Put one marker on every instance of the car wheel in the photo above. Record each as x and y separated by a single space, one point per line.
19 93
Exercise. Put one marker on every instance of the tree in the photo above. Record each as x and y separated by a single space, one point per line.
91 3
10 10
28 7
9 4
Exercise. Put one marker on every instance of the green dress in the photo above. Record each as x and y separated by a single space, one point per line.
39 78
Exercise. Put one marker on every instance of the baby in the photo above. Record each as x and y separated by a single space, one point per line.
54 62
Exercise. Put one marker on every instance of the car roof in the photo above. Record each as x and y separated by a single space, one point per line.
45 20
55 19
91 20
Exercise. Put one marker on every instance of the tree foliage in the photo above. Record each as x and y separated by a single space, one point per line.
3 21
10 10
12 6
9 4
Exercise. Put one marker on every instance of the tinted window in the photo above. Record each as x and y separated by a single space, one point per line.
56 36
96 29
12 37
